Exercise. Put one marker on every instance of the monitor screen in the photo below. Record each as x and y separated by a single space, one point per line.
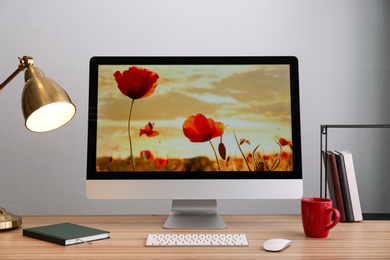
195 119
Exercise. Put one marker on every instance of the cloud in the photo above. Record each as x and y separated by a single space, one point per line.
214 99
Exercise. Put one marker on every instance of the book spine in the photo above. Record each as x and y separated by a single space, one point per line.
344 187
44 237
352 185
329 179
336 184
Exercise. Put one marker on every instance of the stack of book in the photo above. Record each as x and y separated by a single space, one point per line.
343 189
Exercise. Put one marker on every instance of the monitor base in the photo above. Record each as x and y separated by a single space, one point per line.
194 214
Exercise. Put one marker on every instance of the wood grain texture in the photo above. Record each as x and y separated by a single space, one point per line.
368 239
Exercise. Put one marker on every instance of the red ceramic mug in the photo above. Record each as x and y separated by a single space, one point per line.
317 216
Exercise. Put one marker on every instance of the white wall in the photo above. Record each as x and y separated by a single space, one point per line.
343 48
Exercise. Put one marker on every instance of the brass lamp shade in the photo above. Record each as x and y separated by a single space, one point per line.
45 105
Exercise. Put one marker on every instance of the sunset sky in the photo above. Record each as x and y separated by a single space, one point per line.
253 99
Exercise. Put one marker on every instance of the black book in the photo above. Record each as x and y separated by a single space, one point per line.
344 187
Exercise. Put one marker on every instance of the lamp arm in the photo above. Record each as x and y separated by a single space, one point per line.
25 62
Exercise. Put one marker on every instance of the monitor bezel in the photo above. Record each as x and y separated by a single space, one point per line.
95 61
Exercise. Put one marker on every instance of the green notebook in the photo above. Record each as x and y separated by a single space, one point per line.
66 233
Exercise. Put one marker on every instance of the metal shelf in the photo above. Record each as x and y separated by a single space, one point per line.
323 165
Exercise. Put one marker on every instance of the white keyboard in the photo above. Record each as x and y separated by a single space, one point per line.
197 240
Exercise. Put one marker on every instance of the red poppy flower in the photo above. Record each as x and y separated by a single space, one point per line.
136 82
201 129
146 154
284 142
148 130
285 155
162 162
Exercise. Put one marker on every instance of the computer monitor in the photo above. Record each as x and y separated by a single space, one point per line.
194 130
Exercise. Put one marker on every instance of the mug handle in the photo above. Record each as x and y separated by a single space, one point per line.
336 219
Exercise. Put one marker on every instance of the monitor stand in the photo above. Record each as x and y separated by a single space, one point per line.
194 214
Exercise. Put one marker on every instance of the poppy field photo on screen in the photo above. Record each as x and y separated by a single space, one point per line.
194 118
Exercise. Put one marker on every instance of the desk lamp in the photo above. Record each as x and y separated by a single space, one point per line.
45 106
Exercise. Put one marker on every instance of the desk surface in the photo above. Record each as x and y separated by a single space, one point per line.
368 239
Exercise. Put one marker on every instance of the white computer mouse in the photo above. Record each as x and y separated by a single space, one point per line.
276 244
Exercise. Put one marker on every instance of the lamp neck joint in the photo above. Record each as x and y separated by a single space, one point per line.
25 62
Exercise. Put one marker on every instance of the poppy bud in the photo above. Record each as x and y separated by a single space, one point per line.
222 150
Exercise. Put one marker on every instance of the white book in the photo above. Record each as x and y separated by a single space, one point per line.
352 184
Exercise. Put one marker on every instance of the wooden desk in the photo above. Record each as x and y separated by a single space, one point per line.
368 239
